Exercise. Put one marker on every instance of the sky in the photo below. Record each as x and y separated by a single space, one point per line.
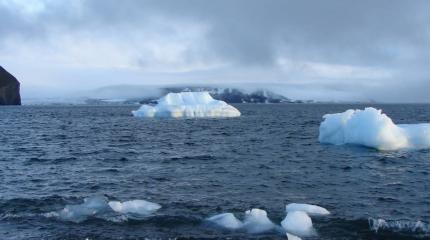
331 50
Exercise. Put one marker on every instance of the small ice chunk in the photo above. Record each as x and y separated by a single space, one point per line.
188 105
292 237
80 212
226 221
256 221
312 210
298 223
371 128
140 207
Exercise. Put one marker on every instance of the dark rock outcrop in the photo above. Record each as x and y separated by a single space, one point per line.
9 89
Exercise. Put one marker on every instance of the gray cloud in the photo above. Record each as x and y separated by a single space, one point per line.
385 42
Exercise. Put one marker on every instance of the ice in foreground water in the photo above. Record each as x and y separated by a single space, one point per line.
226 220
100 207
371 128
312 210
80 212
292 237
298 223
255 222
140 207
187 105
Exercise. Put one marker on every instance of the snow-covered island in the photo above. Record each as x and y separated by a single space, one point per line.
371 128
187 105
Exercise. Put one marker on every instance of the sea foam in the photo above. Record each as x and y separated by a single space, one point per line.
187 105
372 128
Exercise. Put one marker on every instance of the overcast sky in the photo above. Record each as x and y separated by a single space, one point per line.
324 50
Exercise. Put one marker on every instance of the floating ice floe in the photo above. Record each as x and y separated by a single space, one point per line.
100 207
371 128
312 210
296 224
140 207
187 105
255 221
80 212
298 221
292 237
226 220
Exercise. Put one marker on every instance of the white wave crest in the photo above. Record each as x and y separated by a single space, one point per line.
377 224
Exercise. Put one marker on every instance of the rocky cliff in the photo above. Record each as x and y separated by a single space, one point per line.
9 89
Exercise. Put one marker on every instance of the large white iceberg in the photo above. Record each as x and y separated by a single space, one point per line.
371 128
187 105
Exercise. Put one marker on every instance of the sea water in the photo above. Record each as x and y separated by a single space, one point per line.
52 157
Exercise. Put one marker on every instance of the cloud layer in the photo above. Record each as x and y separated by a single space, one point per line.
327 50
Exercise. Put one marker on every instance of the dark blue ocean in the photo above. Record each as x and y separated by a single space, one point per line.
53 156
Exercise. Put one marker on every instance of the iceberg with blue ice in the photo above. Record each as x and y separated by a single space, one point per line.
372 128
187 105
